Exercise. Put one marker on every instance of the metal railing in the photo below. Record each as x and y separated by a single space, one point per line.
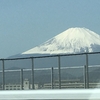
54 71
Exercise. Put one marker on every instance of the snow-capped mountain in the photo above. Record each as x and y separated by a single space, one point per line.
73 40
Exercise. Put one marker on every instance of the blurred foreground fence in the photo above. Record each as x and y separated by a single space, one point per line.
51 72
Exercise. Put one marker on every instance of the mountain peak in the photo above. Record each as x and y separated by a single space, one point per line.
73 40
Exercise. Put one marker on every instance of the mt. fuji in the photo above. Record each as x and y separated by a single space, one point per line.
73 40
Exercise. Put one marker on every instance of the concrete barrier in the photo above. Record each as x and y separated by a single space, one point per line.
68 94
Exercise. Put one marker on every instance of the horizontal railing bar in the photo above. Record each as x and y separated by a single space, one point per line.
51 56
50 68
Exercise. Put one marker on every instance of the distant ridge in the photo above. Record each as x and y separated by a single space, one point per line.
73 40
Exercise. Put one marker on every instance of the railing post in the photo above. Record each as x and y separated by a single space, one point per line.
84 76
21 78
59 72
32 73
3 75
52 77
87 73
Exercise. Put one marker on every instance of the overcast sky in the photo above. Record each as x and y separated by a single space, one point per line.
25 24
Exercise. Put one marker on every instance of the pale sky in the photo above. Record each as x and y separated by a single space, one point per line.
25 24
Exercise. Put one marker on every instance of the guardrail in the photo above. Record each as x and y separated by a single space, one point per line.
69 94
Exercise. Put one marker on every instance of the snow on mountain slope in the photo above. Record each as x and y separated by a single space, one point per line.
73 40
